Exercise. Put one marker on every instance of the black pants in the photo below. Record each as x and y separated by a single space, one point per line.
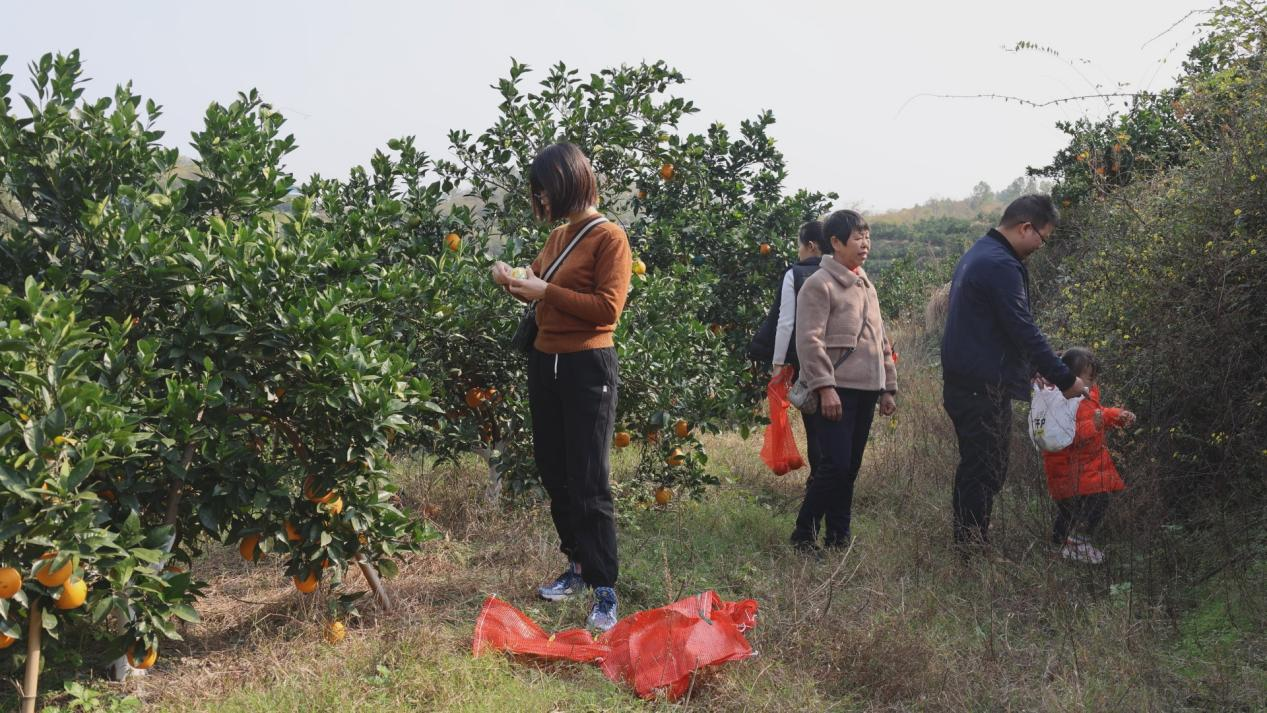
983 425
1087 510
840 445
573 402
812 452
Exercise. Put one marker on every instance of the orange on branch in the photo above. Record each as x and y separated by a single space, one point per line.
308 584
10 582
248 548
53 577
74 592
151 655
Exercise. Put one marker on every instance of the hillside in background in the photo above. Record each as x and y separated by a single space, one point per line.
940 227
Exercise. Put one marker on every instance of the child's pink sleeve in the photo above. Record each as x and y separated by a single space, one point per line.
1112 418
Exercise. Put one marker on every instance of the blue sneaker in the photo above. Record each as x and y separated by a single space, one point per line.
564 586
603 614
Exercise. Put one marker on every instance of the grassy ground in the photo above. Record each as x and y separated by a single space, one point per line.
895 623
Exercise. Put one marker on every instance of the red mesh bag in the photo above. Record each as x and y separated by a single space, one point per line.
501 627
779 448
653 651
660 650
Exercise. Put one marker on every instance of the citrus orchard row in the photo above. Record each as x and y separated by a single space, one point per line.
203 351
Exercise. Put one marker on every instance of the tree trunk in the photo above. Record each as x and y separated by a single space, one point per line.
493 491
376 583
31 683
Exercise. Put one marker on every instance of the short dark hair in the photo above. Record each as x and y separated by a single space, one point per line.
1036 208
812 234
564 174
1079 359
841 224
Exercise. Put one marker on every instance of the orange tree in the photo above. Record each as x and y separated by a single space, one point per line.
698 209
187 362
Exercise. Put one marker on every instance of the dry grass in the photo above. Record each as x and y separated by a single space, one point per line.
896 623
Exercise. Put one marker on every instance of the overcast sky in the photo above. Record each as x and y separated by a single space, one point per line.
841 77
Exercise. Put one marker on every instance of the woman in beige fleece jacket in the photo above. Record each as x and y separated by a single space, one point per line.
845 356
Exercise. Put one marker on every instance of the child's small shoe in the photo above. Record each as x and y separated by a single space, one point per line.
1077 549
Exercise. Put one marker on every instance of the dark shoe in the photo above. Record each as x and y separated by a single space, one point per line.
838 542
564 586
603 613
805 546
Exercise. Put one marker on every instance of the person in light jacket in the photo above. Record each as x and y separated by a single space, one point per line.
845 357
812 245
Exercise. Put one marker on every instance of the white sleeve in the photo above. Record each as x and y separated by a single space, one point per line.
787 318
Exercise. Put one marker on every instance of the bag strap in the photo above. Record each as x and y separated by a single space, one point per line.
558 261
850 350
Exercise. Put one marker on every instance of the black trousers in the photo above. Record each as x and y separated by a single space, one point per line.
983 425
1085 510
573 403
813 453
840 445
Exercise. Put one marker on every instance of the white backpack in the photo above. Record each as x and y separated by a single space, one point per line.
1053 419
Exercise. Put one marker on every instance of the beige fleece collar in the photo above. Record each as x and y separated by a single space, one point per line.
842 274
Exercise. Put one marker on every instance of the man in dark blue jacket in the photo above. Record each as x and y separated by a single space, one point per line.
989 353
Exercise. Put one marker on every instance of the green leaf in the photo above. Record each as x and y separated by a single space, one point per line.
188 613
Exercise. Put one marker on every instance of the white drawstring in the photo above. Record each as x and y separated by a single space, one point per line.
556 367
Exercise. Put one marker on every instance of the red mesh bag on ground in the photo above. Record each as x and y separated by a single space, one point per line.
661 649
653 651
501 627
779 448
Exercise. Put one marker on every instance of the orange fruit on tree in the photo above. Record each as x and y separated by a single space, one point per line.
74 592
765 248
676 457
335 632
682 428
663 496
249 548
335 506
623 439
639 267
308 584
642 195
666 172
453 241
10 582
53 577
151 655
291 533
311 493
6 641
474 397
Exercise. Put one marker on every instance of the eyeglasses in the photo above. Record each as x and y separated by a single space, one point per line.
1042 238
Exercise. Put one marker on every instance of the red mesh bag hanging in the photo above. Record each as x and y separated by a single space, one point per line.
779 448
653 651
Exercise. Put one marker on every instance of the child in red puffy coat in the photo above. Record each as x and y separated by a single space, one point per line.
1081 476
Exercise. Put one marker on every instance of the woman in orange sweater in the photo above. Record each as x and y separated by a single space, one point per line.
572 370
1081 476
